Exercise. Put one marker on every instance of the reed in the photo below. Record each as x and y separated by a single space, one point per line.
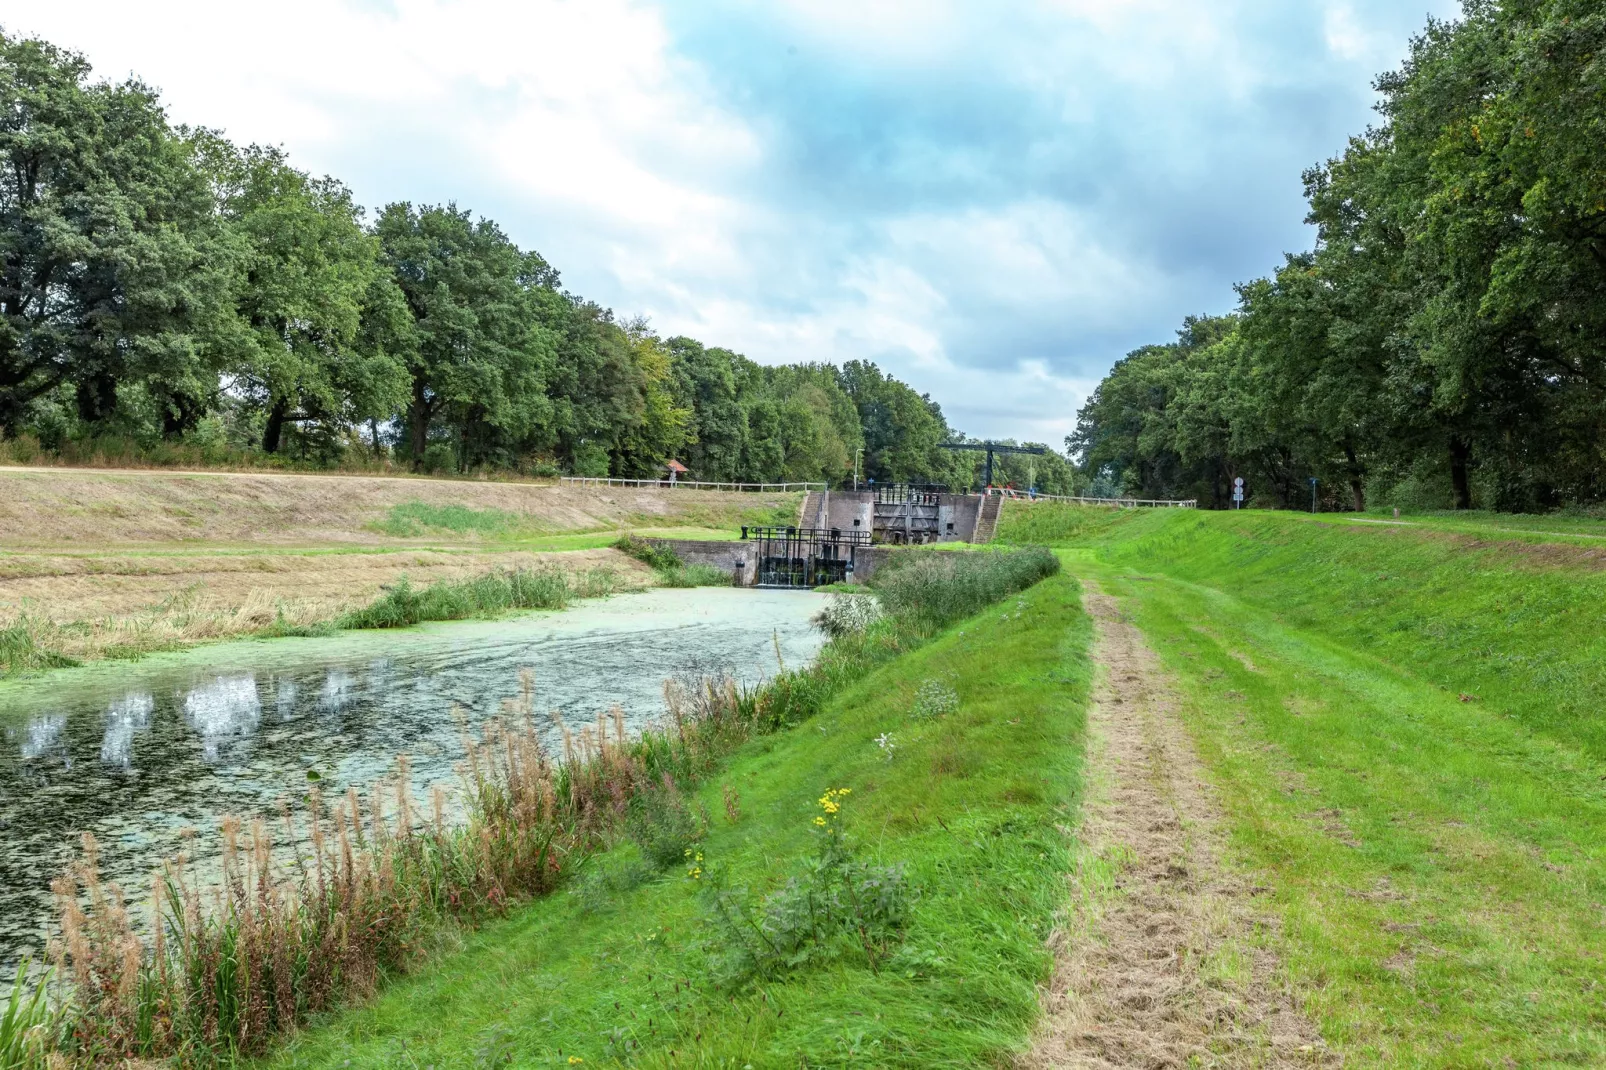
313 908
403 604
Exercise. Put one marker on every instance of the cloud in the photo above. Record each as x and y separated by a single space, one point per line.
993 201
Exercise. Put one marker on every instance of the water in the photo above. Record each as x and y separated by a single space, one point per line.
138 753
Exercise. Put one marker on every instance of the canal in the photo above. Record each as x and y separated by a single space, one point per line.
137 753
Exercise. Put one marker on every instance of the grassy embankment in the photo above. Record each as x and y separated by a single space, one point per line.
1404 725
976 768
119 564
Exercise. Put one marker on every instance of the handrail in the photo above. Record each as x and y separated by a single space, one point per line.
609 481
1122 503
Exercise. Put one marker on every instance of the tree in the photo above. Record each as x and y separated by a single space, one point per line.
111 267
309 278
479 365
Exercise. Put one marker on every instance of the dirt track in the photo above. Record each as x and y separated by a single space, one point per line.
1164 972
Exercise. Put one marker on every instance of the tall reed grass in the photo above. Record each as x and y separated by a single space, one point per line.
403 604
311 907
926 591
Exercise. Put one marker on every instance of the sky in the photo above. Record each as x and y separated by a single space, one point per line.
993 201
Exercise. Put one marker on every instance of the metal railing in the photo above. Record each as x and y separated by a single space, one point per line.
688 484
1119 503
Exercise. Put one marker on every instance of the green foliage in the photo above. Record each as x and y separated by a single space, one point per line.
1444 343
216 299
402 605
21 650
664 826
658 558
848 612
672 572
838 903
695 576
928 590
413 519
935 700
25 1022
970 812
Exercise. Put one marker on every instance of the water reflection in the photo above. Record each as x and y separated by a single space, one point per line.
137 753
125 717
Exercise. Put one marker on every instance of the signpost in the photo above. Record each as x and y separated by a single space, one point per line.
1313 494
1238 492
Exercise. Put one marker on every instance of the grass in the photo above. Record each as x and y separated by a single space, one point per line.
971 804
413 519
22 648
1402 727
402 605
671 570
375 879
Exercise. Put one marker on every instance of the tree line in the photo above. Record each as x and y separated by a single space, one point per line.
159 284
1444 342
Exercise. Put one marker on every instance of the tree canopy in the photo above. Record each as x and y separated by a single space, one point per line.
161 284
1444 343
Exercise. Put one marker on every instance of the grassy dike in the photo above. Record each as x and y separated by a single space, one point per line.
971 802
1404 727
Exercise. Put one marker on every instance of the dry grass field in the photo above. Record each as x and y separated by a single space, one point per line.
96 563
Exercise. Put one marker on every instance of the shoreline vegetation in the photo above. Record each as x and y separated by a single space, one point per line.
133 565
318 905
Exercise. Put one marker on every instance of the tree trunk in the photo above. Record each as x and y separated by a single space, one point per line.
274 431
97 397
418 424
1357 489
373 436
1460 457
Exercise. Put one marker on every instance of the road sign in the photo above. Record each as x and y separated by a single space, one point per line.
1239 482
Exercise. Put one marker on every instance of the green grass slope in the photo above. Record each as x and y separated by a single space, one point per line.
971 802
1403 725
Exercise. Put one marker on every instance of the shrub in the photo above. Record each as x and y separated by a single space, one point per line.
658 558
402 604
934 700
848 614
663 825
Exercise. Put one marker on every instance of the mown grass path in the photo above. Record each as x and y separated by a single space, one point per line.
1435 866
1159 965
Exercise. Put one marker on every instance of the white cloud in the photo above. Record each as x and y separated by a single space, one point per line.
660 179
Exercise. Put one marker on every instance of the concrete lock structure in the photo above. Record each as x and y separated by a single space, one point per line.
844 536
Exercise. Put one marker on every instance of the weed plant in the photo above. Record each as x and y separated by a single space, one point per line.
839 904
848 614
25 1022
973 812
695 576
